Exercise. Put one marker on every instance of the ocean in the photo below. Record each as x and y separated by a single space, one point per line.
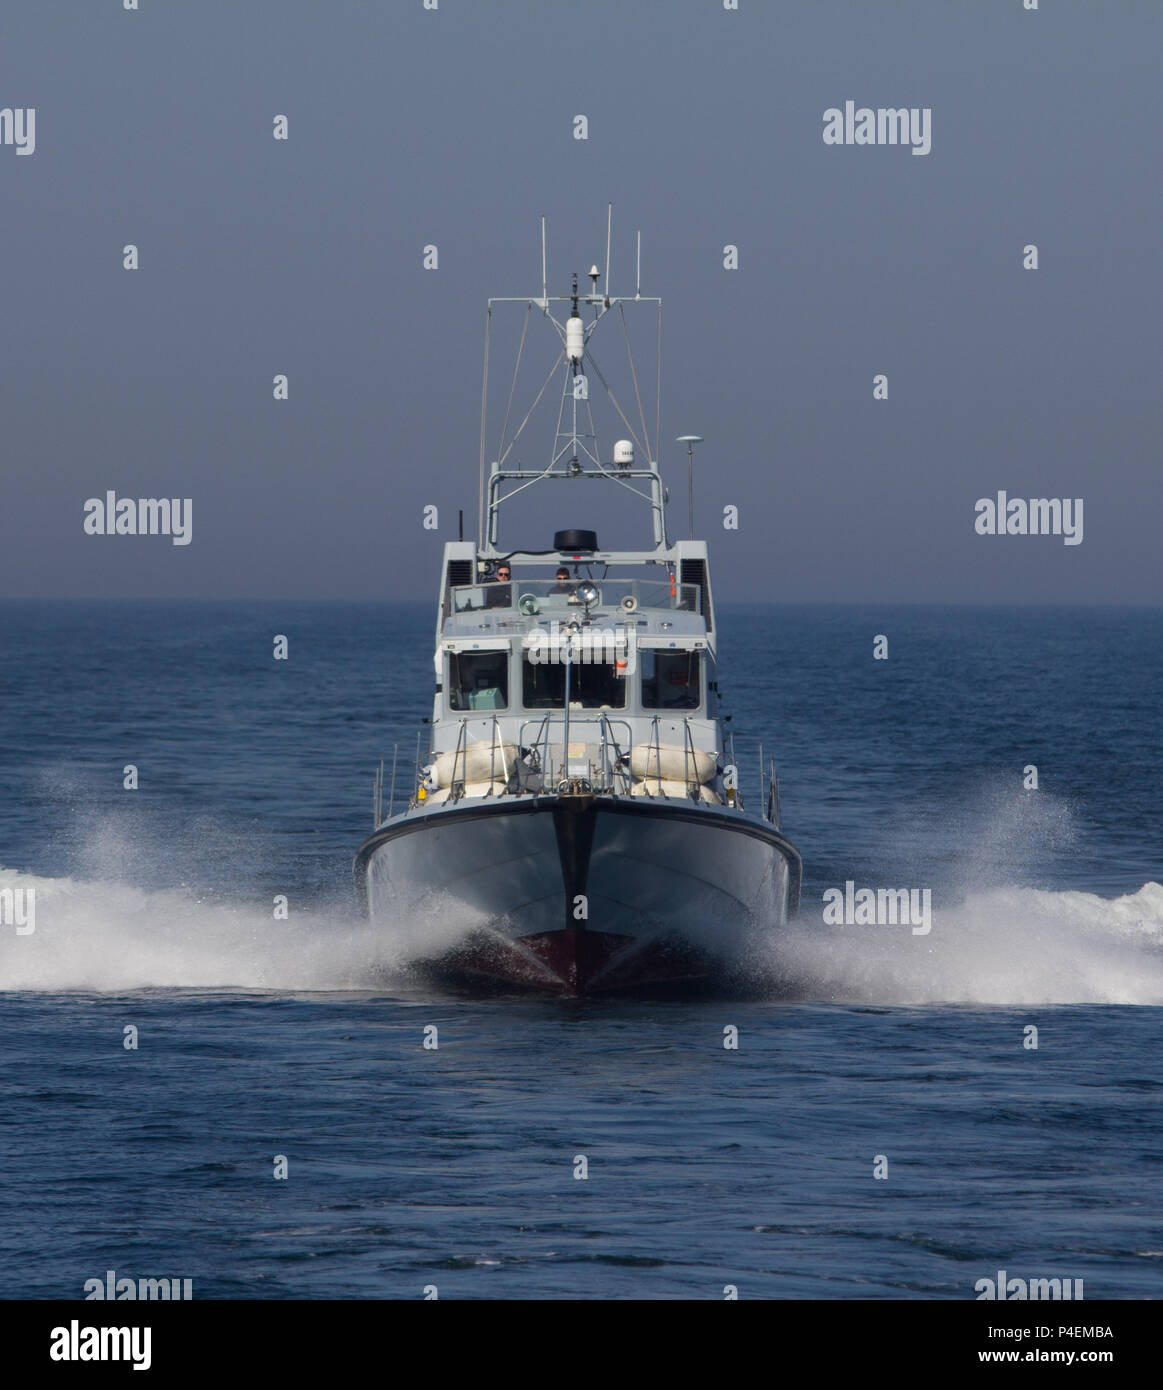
885 1127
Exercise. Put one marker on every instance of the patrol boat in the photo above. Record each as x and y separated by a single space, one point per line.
578 823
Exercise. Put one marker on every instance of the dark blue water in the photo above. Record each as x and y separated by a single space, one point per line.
454 1167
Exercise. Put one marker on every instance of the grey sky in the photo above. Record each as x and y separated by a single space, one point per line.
410 127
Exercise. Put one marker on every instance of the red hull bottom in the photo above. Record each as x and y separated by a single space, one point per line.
574 962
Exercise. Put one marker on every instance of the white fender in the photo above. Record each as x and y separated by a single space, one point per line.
652 786
442 794
477 763
670 760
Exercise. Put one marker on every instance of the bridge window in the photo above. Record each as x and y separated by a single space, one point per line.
670 679
478 680
592 685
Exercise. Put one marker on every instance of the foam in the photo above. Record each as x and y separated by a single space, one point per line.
111 936
1007 945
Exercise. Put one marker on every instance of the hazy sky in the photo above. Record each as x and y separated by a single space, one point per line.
456 128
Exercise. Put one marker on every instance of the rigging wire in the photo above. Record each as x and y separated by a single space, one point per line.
484 407
532 408
516 369
634 375
614 400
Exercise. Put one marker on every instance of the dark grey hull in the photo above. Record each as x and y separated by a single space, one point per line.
579 894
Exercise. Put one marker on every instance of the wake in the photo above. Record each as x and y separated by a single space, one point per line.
999 946
1006 945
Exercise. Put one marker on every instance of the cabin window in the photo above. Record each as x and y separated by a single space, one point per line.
670 679
478 680
592 685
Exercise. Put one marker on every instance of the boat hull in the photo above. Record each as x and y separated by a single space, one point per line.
578 895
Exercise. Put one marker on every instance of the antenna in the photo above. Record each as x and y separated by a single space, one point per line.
690 440
609 221
574 452
544 282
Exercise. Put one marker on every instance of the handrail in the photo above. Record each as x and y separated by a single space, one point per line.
611 769
656 744
461 743
536 745
650 593
689 764
493 747
773 807
609 739
610 750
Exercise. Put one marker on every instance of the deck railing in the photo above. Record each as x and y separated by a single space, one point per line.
604 766
609 771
